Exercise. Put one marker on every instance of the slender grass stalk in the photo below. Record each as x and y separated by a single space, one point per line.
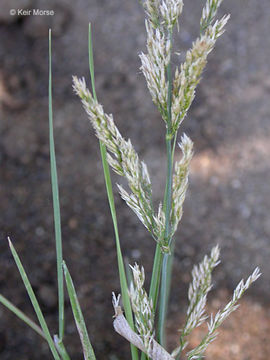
156 271
155 279
108 182
61 348
78 316
56 206
34 301
163 301
22 316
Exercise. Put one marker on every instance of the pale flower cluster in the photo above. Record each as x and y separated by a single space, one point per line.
163 14
124 159
170 10
154 65
152 11
209 12
188 76
218 319
199 288
142 307
180 181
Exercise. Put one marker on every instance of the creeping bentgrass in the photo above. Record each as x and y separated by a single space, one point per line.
172 91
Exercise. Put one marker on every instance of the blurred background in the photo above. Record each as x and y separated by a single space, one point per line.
228 199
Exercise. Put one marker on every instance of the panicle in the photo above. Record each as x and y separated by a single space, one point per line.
124 161
199 288
123 158
180 181
221 315
142 307
189 74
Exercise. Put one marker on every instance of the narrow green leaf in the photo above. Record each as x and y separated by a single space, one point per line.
34 301
78 316
91 61
56 206
108 182
22 316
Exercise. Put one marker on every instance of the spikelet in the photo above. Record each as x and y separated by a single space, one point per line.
209 12
163 14
151 8
221 315
170 11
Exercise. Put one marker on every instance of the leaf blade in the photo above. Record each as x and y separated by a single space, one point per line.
34 301
56 205
108 183
78 316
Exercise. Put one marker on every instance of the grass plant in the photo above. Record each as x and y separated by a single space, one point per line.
172 88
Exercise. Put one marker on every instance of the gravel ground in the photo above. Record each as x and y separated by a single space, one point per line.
228 199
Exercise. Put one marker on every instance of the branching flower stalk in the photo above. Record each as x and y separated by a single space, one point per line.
221 315
199 288
180 96
173 94
124 162
189 75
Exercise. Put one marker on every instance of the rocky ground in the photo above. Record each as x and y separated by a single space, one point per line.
228 200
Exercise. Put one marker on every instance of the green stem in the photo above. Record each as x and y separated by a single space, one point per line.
155 280
61 348
163 299
108 182
156 271
121 267
164 291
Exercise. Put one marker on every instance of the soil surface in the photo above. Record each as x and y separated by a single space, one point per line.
228 199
